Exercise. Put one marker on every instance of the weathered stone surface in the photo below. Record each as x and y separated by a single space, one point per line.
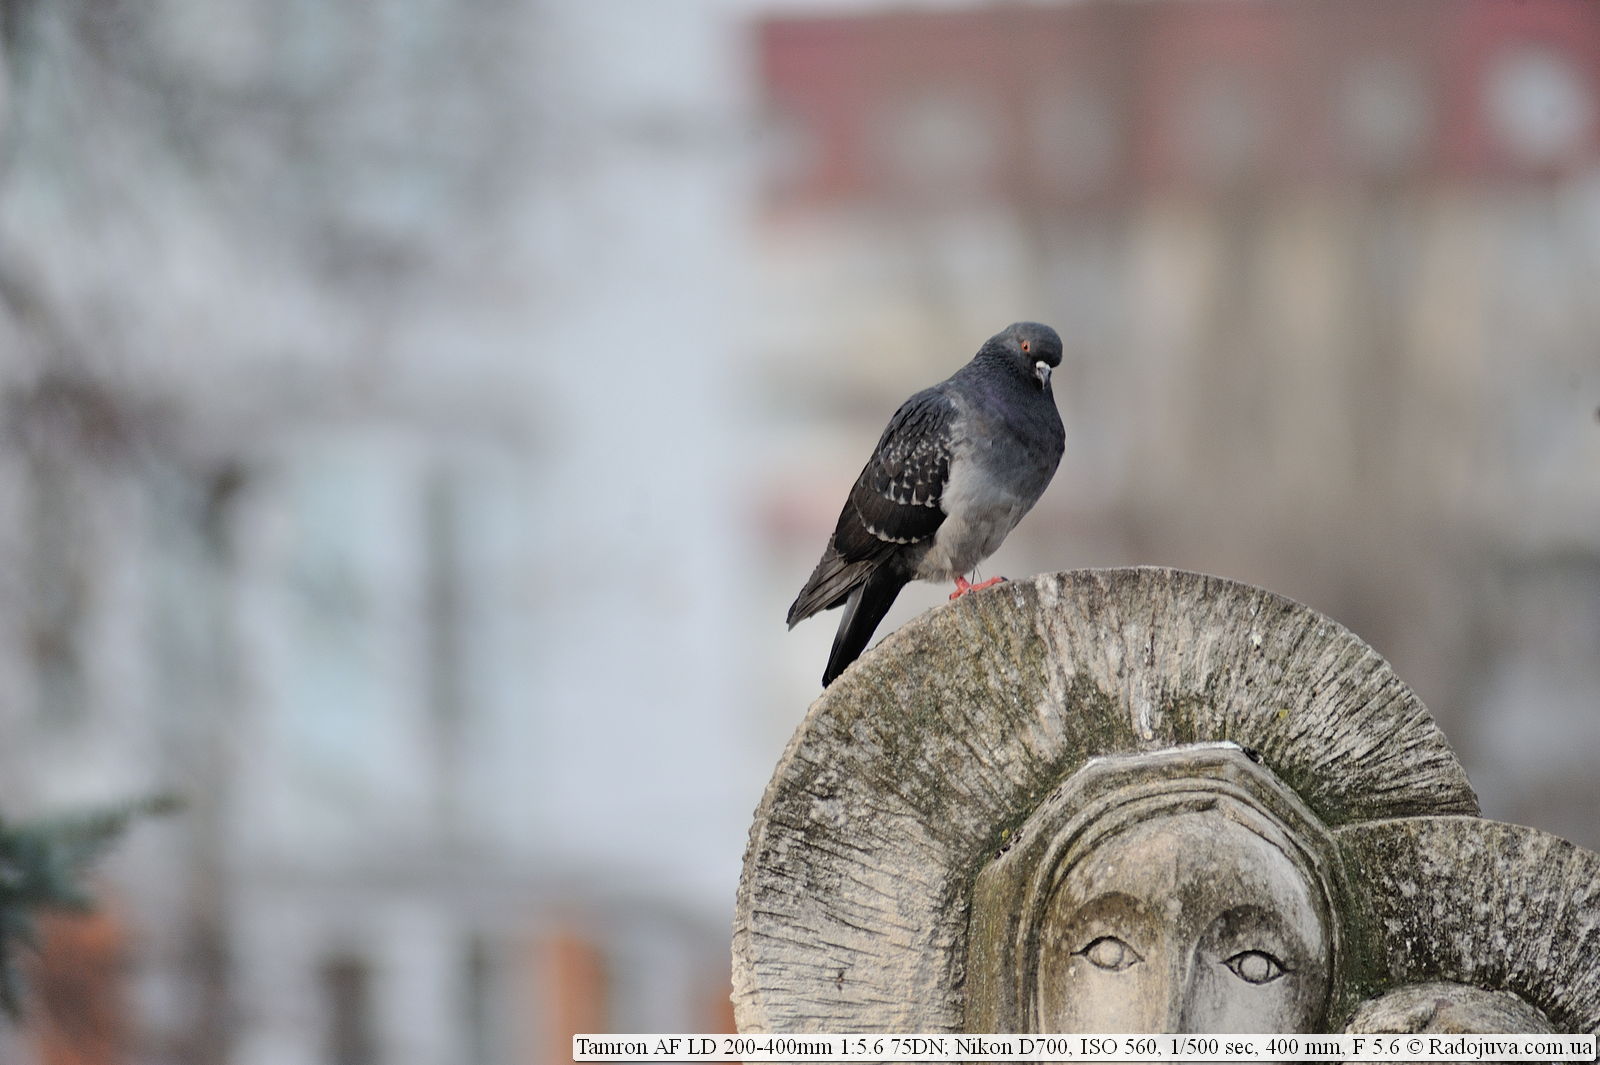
1447 1009
1484 904
913 769
1452 1009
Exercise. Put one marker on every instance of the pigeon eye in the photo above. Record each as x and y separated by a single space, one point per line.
1027 346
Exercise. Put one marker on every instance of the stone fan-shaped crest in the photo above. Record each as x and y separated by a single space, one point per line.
1485 904
910 771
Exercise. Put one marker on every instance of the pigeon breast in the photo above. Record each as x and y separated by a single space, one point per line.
1002 459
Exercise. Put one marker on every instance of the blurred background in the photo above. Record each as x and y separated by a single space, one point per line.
418 416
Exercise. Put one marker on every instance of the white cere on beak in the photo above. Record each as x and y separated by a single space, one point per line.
1041 370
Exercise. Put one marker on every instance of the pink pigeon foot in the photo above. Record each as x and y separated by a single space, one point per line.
962 587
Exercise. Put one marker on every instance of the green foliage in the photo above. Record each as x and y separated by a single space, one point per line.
43 865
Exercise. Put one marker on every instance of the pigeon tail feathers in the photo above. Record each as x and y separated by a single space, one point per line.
868 604
831 584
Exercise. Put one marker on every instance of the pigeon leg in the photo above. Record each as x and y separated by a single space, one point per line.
962 587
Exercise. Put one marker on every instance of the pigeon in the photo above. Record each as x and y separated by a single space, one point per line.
958 466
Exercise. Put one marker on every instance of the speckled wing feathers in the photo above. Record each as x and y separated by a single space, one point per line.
893 506
896 498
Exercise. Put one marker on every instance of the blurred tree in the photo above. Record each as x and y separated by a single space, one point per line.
42 867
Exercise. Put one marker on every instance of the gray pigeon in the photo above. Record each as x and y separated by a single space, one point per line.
957 468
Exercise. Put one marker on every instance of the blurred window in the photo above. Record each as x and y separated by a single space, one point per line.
347 989
478 988
442 614
1536 723
60 592
1223 125
940 142
1384 114
1539 105
1076 139
791 155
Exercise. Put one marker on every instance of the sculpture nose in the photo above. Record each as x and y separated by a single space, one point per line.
1176 1015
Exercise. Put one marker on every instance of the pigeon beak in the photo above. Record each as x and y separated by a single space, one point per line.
1041 370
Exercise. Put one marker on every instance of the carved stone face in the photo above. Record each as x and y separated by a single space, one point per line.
1185 890
1195 921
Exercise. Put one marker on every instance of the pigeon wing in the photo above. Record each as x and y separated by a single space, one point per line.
895 501
893 506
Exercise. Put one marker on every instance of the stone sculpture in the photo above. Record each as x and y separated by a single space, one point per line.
1144 800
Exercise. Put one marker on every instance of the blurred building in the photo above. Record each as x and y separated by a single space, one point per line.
1325 274
369 482
419 418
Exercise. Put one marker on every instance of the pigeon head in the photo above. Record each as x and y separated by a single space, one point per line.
1033 350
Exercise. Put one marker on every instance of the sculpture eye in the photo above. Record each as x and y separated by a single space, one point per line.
1110 953
1255 966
